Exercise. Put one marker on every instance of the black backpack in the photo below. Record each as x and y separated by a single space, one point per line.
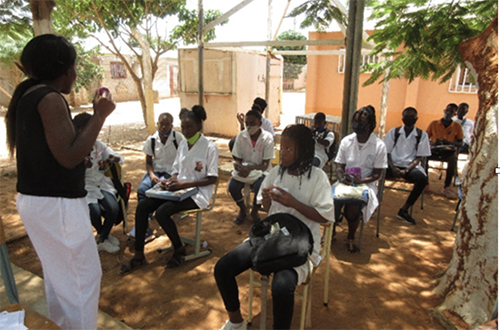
396 136
153 142
331 151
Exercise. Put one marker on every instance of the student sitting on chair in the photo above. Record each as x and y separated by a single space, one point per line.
406 145
252 151
101 193
294 187
323 138
467 127
361 149
196 165
446 136
160 149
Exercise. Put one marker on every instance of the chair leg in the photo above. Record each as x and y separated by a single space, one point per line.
304 307
197 242
263 301
361 233
250 297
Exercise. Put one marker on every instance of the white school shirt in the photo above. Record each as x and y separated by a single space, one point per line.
164 154
373 154
319 149
264 148
405 151
197 163
267 126
315 192
95 180
467 128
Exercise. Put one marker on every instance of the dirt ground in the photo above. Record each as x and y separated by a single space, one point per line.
386 286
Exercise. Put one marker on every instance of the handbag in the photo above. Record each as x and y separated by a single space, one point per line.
342 191
280 241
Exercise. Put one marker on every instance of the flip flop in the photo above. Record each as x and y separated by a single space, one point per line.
132 265
351 247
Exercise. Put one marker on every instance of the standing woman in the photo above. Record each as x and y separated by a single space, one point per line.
51 178
196 165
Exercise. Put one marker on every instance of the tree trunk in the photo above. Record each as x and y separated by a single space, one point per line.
41 11
470 282
147 81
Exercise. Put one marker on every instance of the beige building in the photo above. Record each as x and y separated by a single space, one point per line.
232 79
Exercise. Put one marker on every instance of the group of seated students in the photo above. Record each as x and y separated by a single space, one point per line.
297 186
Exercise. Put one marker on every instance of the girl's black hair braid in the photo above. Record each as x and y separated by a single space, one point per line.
304 142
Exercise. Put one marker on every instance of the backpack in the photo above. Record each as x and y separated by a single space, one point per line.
153 142
331 151
396 136
123 189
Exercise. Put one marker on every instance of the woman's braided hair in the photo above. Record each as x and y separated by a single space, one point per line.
304 142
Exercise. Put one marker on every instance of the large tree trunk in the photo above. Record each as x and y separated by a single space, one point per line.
470 283
41 11
147 80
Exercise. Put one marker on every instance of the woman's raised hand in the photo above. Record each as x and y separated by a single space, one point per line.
103 103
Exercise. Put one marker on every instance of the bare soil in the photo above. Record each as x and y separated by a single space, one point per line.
386 286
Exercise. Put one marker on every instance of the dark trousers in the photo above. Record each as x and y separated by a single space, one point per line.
418 179
450 157
164 211
236 262
235 187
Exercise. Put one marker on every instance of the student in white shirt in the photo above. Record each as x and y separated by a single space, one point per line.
297 188
196 165
323 138
467 127
252 151
364 150
101 193
160 149
406 145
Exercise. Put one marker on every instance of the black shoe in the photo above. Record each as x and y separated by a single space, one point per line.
403 215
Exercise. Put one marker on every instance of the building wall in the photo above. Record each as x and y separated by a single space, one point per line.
232 79
325 84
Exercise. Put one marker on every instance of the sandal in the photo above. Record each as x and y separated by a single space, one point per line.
351 247
132 265
177 258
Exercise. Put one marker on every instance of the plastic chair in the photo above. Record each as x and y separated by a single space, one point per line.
196 241
306 288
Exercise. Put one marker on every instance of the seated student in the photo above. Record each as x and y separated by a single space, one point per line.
252 151
361 149
196 165
323 139
294 187
446 136
101 193
406 145
160 149
467 127
260 105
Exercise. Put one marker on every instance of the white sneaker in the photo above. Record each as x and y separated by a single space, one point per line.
131 233
113 240
231 326
108 247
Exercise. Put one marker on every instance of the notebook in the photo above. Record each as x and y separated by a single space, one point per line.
178 195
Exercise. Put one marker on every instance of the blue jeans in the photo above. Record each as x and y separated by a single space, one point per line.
111 208
239 260
235 187
146 184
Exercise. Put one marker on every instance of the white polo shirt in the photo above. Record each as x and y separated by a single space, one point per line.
197 163
164 154
319 149
263 150
406 149
467 127
267 126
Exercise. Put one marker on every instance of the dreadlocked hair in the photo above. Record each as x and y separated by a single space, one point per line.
304 142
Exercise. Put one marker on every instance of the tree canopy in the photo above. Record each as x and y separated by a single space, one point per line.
293 63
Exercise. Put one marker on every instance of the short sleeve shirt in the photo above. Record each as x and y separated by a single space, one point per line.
319 149
406 149
164 154
467 128
263 149
436 130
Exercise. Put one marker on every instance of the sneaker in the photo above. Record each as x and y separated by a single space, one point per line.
149 236
404 215
448 193
231 326
108 247
113 240
131 233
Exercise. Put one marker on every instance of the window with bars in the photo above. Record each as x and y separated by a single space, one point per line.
365 59
118 70
462 82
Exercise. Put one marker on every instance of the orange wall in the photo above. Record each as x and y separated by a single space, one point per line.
325 84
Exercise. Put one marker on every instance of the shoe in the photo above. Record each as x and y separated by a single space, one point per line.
149 236
113 240
131 233
107 246
231 326
448 193
404 215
